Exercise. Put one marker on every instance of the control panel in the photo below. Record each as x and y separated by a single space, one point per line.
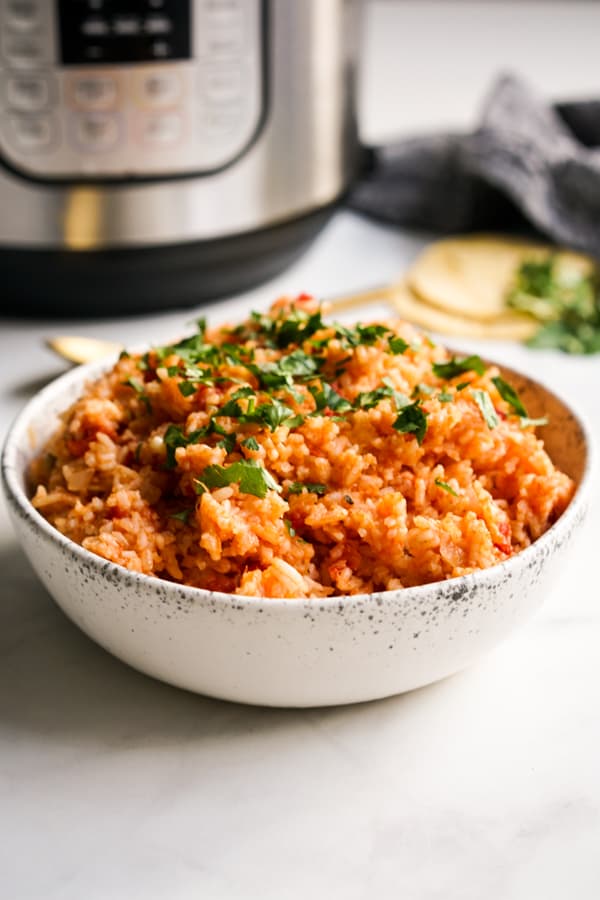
117 89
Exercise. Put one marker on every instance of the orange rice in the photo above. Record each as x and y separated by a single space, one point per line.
347 495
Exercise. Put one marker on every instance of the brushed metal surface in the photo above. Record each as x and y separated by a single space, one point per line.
302 159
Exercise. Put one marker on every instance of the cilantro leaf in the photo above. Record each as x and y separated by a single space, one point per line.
251 477
297 364
446 487
457 366
370 334
175 437
140 390
271 413
183 515
187 388
369 399
228 443
251 443
421 388
412 419
297 487
486 407
508 393
328 398
397 345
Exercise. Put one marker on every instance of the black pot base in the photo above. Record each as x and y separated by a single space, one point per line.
55 284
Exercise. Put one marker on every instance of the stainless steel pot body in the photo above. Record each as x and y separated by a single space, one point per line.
234 116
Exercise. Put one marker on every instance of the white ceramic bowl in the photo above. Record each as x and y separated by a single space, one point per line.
290 652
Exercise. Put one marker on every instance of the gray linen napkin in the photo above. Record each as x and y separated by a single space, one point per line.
528 166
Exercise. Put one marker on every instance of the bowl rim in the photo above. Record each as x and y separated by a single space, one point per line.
80 375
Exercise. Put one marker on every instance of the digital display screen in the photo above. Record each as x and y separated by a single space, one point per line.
122 31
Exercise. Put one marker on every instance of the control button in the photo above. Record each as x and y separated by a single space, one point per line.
23 51
222 84
224 42
126 25
21 15
161 49
96 132
94 52
159 89
157 25
93 91
218 123
27 93
32 133
161 130
95 27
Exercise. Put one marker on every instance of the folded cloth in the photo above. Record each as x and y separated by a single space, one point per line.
528 166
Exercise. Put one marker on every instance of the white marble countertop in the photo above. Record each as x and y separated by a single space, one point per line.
483 787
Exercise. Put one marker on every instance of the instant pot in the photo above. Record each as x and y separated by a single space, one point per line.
155 153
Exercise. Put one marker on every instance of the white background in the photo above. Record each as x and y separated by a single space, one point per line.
484 787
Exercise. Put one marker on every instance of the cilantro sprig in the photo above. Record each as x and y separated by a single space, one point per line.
250 476
298 487
508 393
412 419
564 300
486 407
456 366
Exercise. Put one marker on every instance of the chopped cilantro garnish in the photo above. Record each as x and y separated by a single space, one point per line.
328 398
370 334
251 477
227 443
369 399
445 397
486 407
397 345
446 487
183 515
508 393
565 301
462 385
412 419
137 386
290 529
297 327
282 373
140 390
187 388
457 366
297 487
271 413
124 354
421 388
176 437
251 443
244 391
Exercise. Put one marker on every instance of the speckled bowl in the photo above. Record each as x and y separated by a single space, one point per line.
291 652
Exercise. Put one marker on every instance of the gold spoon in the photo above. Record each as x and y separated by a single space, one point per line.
82 349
